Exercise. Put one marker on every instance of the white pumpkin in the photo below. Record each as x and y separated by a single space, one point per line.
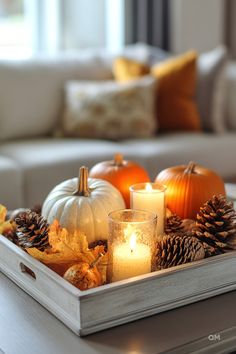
83 203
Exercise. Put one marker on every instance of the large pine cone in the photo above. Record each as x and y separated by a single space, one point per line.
32 231
216 226
173 250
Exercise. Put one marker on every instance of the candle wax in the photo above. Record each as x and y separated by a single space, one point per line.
154 201
128 263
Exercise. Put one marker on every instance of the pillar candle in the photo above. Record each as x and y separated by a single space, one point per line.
151 197
130 259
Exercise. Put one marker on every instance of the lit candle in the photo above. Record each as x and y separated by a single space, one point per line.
130 259
151 197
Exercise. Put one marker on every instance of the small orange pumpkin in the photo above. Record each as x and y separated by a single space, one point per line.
83 276
120 173
189 187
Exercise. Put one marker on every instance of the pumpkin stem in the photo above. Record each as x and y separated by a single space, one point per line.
190 168
118 159
93 264
83 188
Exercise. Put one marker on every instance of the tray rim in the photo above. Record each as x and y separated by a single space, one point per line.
111 287
82 324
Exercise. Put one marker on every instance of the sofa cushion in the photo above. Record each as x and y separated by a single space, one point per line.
109 109
11 183
210 69
31 91
172 95
144 53
210 87
47 162
168 150
231 95
176 106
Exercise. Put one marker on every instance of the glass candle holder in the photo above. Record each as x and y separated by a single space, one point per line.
131 243
151 197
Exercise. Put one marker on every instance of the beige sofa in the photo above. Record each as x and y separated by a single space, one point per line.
33 161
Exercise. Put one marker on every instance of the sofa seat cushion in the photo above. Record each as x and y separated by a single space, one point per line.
11 182
211 150
47 162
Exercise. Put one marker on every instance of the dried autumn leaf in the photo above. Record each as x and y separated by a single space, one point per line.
65 247
60 238
5 226
3 213
63 256
102 262
71 245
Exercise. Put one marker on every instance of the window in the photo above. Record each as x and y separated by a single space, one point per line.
32 27
14 34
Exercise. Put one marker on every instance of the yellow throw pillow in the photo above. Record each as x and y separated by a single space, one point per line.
175 101
126 69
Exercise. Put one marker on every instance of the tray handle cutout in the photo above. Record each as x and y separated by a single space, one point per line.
27 271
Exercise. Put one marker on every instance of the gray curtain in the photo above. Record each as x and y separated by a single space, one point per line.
148 21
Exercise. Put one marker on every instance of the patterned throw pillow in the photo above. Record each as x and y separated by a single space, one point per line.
110 110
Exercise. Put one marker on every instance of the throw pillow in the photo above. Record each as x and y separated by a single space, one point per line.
230 79
143 52
176 108
126 69
210 86
110 110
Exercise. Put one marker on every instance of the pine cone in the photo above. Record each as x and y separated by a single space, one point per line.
173 224
216 226
32 231
37 208
174 249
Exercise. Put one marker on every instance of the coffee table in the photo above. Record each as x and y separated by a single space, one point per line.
28 328
208 326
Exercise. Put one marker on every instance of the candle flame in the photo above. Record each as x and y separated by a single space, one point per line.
148 187
132 242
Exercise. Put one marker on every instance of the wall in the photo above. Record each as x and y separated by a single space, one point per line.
196 24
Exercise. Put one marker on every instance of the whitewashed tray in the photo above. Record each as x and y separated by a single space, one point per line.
121 302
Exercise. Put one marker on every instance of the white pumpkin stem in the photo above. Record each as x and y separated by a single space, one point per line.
94 263
118 159
83 188
190 168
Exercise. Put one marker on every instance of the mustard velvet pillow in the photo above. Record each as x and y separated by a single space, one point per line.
175 99
127 69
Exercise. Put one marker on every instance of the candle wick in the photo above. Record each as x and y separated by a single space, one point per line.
132 250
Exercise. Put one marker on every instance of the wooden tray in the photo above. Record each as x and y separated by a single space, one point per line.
121 302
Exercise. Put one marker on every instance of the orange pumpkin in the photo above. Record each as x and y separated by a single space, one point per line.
121 173
189 187
83 276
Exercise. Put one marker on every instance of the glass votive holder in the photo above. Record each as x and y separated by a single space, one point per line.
151 197
131 243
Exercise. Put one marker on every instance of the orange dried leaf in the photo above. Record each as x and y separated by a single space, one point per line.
56 257
3 213
65 247
67 243
5 226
